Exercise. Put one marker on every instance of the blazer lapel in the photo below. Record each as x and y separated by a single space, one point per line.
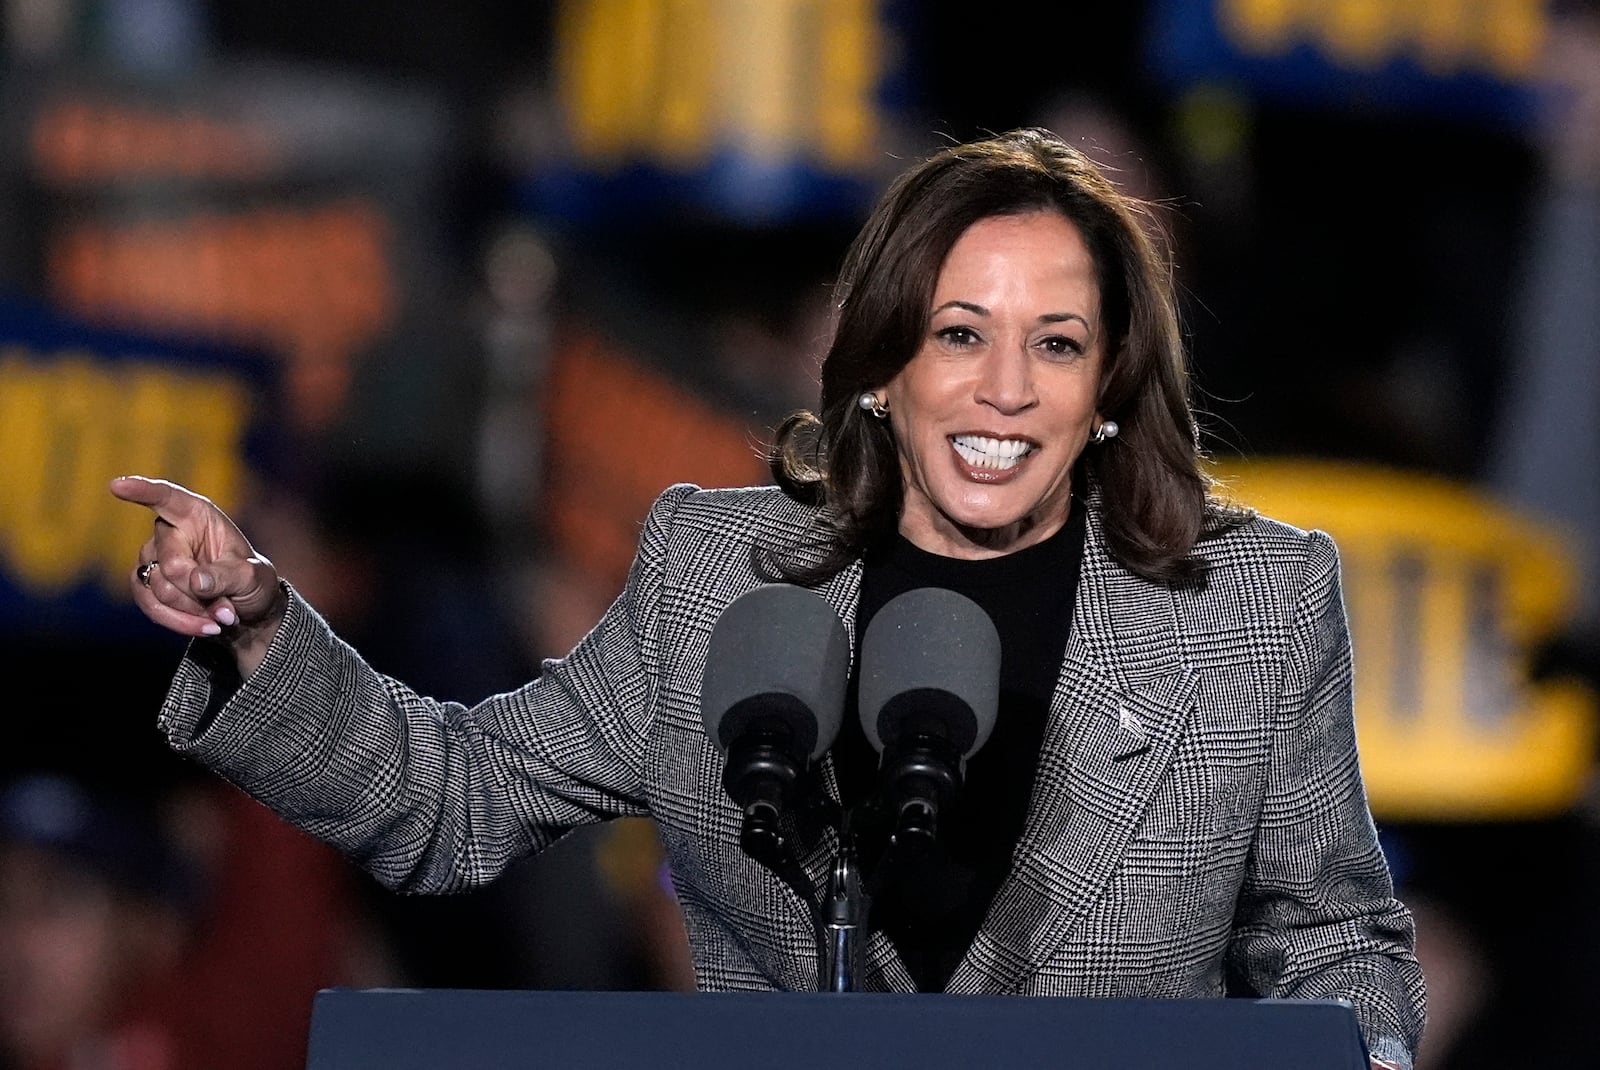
1120 705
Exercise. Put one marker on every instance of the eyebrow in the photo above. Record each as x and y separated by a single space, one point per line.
1048 317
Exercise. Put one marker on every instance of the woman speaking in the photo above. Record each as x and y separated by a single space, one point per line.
1169 803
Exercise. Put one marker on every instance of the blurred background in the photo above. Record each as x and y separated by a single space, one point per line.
434 298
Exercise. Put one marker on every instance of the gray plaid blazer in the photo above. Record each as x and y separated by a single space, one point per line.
1198 826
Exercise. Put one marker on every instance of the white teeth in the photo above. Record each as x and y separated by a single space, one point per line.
982 452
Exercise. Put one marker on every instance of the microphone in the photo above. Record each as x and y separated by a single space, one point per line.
772 699
929 693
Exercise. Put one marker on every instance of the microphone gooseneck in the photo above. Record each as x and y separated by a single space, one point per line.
929 694
844 920
772 700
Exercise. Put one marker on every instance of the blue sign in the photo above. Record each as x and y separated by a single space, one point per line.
755 112
1470 60
80 405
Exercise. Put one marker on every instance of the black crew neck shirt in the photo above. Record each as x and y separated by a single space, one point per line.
931 907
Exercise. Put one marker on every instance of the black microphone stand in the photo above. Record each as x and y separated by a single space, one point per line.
839 915
844 923
919 780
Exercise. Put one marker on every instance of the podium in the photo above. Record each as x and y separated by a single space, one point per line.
467 1029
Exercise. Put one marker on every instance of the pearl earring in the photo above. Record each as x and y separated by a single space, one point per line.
1107 429
870 402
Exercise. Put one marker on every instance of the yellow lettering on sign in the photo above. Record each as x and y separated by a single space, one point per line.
1442 35
1502 38
1263 27
683 132
849 42
602 63
1512 34
1358 33
673 81
762 82
69 423
1450 595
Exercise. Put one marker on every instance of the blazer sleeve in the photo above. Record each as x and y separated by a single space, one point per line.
434 796
1317 917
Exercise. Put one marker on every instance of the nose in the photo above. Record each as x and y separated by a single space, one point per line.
1005 382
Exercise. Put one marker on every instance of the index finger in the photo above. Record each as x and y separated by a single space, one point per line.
170 501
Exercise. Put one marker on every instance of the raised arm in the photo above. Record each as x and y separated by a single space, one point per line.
428 796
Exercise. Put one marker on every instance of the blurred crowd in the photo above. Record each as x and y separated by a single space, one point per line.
477 361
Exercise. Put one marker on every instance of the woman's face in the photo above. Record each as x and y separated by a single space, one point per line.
991 412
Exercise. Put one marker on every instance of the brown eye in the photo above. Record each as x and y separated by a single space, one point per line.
958 336
1061 346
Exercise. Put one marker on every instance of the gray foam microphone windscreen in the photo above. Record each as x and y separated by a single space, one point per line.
930 656
778 649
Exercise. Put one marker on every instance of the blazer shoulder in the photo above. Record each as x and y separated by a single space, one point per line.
1266 554
1264 537
693 503
762 515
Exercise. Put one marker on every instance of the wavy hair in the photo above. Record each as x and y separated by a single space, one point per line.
1154 497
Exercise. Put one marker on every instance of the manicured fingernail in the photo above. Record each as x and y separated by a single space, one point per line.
209 628
225 615
203 582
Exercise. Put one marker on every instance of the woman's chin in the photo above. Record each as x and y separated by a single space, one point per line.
996 514
995 531
961 519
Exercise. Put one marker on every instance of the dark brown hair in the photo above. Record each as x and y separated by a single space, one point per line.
1154 496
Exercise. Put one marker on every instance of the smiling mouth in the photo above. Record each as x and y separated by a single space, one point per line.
998 454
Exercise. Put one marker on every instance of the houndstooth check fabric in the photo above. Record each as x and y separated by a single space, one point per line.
1198 827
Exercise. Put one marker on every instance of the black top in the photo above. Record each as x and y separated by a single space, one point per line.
931 908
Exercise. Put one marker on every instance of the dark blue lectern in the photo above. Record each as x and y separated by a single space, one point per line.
454 1029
